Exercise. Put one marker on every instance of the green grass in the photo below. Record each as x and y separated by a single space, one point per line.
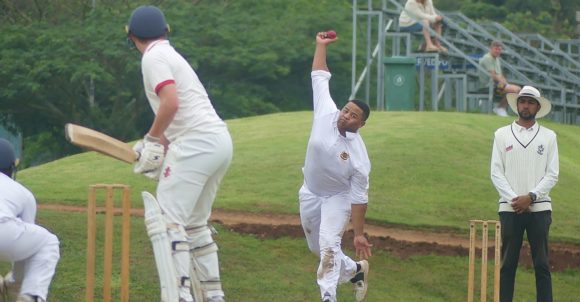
429 169
254 269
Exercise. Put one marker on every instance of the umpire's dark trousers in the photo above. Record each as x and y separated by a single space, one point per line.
537 227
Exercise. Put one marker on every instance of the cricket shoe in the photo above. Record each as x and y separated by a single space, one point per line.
29 298
2 290
10 288
360 281
500 111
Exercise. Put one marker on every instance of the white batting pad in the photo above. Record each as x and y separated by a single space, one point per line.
205 277
157 231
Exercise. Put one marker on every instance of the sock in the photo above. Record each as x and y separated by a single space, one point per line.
358 277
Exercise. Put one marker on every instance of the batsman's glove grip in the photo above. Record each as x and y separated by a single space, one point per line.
138 147
150 159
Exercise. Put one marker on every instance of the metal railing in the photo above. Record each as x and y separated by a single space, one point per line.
551 66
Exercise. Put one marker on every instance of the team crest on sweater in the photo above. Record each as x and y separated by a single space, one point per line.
344 155
509 148
541 149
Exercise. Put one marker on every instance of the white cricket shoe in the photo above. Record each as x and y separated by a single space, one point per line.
26 298
499 111
361 286
11 288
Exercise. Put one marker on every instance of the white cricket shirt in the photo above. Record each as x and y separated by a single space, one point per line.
161 65
334 164
522 161
16 201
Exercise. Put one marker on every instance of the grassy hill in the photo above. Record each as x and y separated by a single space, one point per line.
430 170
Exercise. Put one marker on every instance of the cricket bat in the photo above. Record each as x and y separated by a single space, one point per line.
96 141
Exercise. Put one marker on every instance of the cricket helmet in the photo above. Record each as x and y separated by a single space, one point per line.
147 22
7 155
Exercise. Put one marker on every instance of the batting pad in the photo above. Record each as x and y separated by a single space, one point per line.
157 231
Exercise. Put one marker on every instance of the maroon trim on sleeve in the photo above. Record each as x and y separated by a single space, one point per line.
163 84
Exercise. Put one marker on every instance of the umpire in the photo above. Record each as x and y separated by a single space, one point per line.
524 168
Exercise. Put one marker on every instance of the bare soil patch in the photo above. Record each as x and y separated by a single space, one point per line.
398 241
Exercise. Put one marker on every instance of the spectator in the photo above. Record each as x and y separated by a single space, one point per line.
492 64
419 15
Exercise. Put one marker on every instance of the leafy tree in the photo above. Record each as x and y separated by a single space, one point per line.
560 19
526 22
481 10
67 62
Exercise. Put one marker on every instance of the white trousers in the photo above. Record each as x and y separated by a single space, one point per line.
324 220
34 252
192 171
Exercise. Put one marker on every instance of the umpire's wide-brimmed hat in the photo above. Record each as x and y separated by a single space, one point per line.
532 92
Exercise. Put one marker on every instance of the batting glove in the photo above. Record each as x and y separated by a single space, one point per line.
138 147
151 158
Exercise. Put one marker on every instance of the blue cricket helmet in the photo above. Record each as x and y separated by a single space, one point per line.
147 22
7 155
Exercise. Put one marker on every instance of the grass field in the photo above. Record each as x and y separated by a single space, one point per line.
254 269
430 170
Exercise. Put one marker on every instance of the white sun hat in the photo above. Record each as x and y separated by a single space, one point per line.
529 91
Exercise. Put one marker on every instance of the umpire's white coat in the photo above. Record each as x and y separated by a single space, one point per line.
33 250
336 175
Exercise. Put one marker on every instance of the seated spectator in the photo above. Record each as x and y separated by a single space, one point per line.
492 64
419 15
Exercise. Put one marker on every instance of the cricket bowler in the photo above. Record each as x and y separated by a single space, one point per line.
336 181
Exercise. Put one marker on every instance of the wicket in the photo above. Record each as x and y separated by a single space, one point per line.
110 190
484 250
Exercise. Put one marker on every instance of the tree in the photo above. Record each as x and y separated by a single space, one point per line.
252 56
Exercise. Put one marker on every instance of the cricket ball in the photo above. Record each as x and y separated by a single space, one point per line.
331 34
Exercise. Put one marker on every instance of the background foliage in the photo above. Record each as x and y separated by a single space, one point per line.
68 60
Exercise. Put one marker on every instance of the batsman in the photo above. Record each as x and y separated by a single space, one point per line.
188 149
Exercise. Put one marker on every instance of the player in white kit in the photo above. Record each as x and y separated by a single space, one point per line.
336 180
33 250
188 148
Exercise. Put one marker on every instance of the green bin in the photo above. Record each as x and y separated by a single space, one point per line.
400 83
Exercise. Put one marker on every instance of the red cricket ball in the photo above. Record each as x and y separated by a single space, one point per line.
331 34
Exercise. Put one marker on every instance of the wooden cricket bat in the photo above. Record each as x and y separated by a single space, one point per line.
96 141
